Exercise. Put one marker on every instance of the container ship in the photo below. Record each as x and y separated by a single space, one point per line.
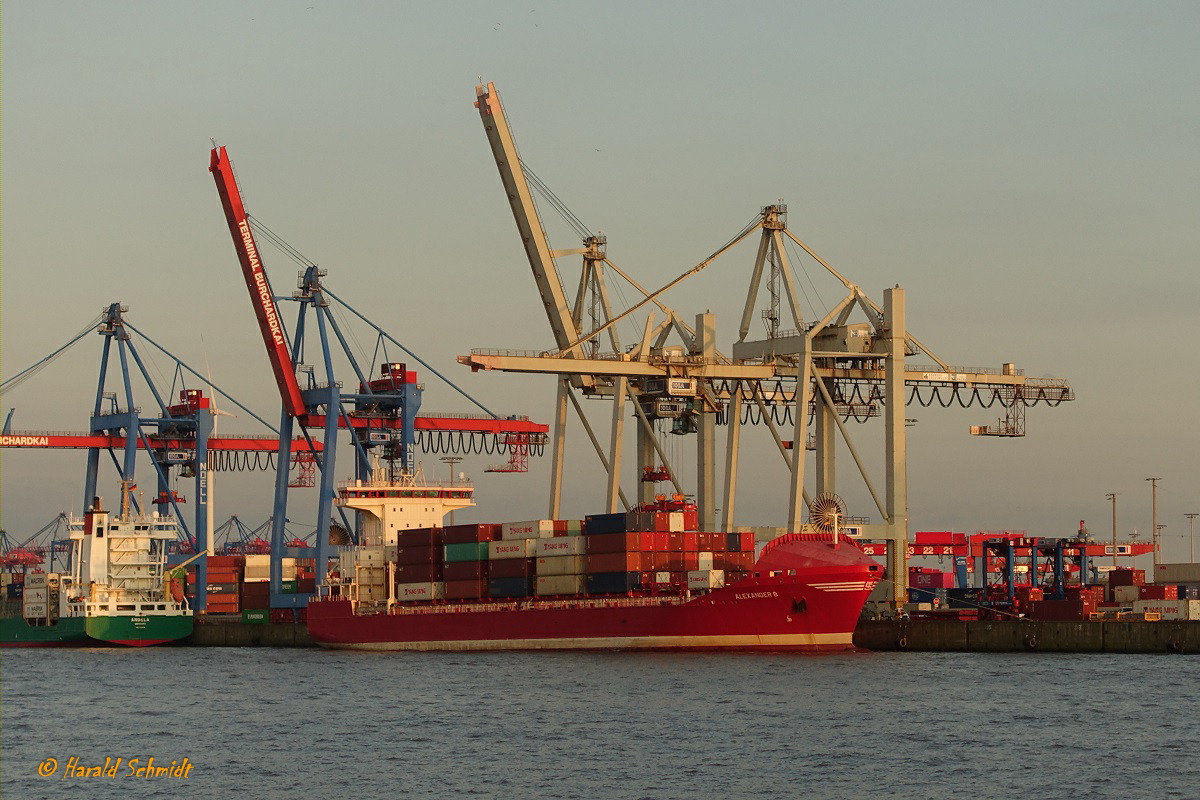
642 580
117 591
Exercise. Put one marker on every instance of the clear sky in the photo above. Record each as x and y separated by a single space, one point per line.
1027 171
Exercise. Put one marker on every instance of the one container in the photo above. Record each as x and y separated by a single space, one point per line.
614 562
613 582
1157 591
465 571
416 592
705 579
255 616
420 573
419 554
560 546
1177 573
420 537
466 590
1170 610
514 548
466 551
35 610
604 523
511 568
462 534
559 565
532 529
704 561
35 579
508 587
35 594
550 585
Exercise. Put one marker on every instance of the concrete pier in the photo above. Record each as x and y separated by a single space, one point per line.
211 633
1030 636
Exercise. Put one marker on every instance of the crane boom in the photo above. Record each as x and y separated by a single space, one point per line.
256 282
537 249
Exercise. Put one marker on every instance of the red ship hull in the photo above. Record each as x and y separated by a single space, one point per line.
806 595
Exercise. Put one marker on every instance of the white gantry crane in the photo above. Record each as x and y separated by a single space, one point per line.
821 373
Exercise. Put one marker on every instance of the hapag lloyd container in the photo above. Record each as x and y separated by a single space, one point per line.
412 592
532 529
515 548
559 565
560 546
466 551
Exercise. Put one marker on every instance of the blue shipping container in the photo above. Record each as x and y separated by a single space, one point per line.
604 523
508 587
16 590
613 582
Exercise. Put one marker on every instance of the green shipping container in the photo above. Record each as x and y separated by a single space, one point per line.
289 587
255 616
467 551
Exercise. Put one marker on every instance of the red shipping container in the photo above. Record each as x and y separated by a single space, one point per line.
225 561
684 542
1127 577
1158 591
691 520
420 537
419 573
614 562
465 571
733 561
466 590
424 554
511 568
683 562
478 532
611 542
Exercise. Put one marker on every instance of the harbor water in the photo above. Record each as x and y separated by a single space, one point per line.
267 723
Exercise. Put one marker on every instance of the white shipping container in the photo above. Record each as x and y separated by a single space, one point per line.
258 560
662 577
559 565
35 579
533 529
558 584
1170 609
34 594
704 561
5 578
559 546
706 579
514 548
1173 573
675 522
34 610
1125 594
256 573
411 592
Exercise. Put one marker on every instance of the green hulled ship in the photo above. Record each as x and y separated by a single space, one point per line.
37 612
124 592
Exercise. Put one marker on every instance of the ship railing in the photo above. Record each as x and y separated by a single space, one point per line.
452 607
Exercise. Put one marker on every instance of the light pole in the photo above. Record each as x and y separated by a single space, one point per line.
1113 496
1154 519
1192 535
451 460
